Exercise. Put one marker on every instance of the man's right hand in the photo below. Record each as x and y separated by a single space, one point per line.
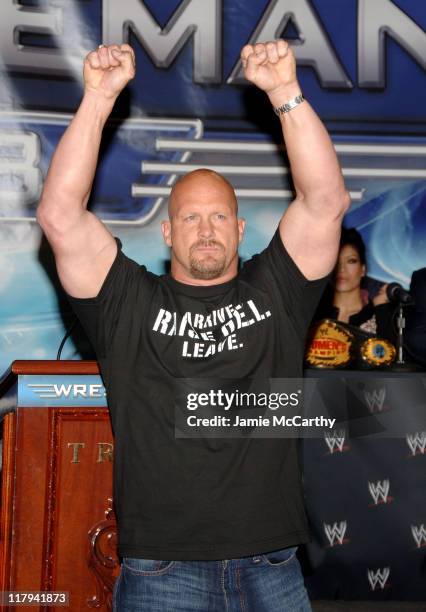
108 69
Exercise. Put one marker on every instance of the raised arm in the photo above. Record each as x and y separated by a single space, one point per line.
310 227
84 249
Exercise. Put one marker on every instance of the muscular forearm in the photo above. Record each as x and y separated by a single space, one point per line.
315 169
314 165
72 169
310 226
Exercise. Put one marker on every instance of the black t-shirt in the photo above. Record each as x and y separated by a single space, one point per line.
180 498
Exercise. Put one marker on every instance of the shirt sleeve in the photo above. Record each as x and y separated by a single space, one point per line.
275 272
122 289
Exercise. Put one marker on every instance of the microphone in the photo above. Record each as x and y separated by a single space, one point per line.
396 293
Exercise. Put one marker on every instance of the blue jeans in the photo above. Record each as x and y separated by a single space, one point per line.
271 582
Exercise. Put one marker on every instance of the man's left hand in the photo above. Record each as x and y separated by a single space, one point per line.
271 67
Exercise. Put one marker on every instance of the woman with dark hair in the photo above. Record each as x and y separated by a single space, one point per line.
346 301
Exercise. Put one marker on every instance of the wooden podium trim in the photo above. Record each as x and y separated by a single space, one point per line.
45 367
54 367
6 508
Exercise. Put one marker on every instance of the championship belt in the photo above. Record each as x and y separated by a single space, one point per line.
332 344
377 352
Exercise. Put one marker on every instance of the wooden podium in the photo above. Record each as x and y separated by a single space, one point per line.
57 527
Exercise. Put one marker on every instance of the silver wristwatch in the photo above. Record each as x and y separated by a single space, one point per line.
288 106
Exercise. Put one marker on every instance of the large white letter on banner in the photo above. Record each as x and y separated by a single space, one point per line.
312 49
198 18
21 179
17 18
375 20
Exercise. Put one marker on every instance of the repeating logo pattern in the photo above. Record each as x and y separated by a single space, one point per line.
376 491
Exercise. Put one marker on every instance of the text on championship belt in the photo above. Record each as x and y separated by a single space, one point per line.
329 345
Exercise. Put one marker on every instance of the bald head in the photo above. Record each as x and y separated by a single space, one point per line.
203 229
202 181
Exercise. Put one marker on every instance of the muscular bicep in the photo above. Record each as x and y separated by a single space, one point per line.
312 240
84 253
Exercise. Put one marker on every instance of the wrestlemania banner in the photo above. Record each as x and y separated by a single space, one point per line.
361 64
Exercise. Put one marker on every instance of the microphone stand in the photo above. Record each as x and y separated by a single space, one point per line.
401 364
400 323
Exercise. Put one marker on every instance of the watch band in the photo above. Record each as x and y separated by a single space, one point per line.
288 106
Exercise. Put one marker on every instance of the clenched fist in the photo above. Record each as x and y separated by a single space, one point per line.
107 70
271 67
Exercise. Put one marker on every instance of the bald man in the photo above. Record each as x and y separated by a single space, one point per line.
206 524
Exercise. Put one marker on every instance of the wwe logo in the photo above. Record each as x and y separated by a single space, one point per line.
335 441
379 576
380 490
419 535
375 399
417 442
335 533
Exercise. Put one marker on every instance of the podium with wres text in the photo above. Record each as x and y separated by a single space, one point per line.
58 531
